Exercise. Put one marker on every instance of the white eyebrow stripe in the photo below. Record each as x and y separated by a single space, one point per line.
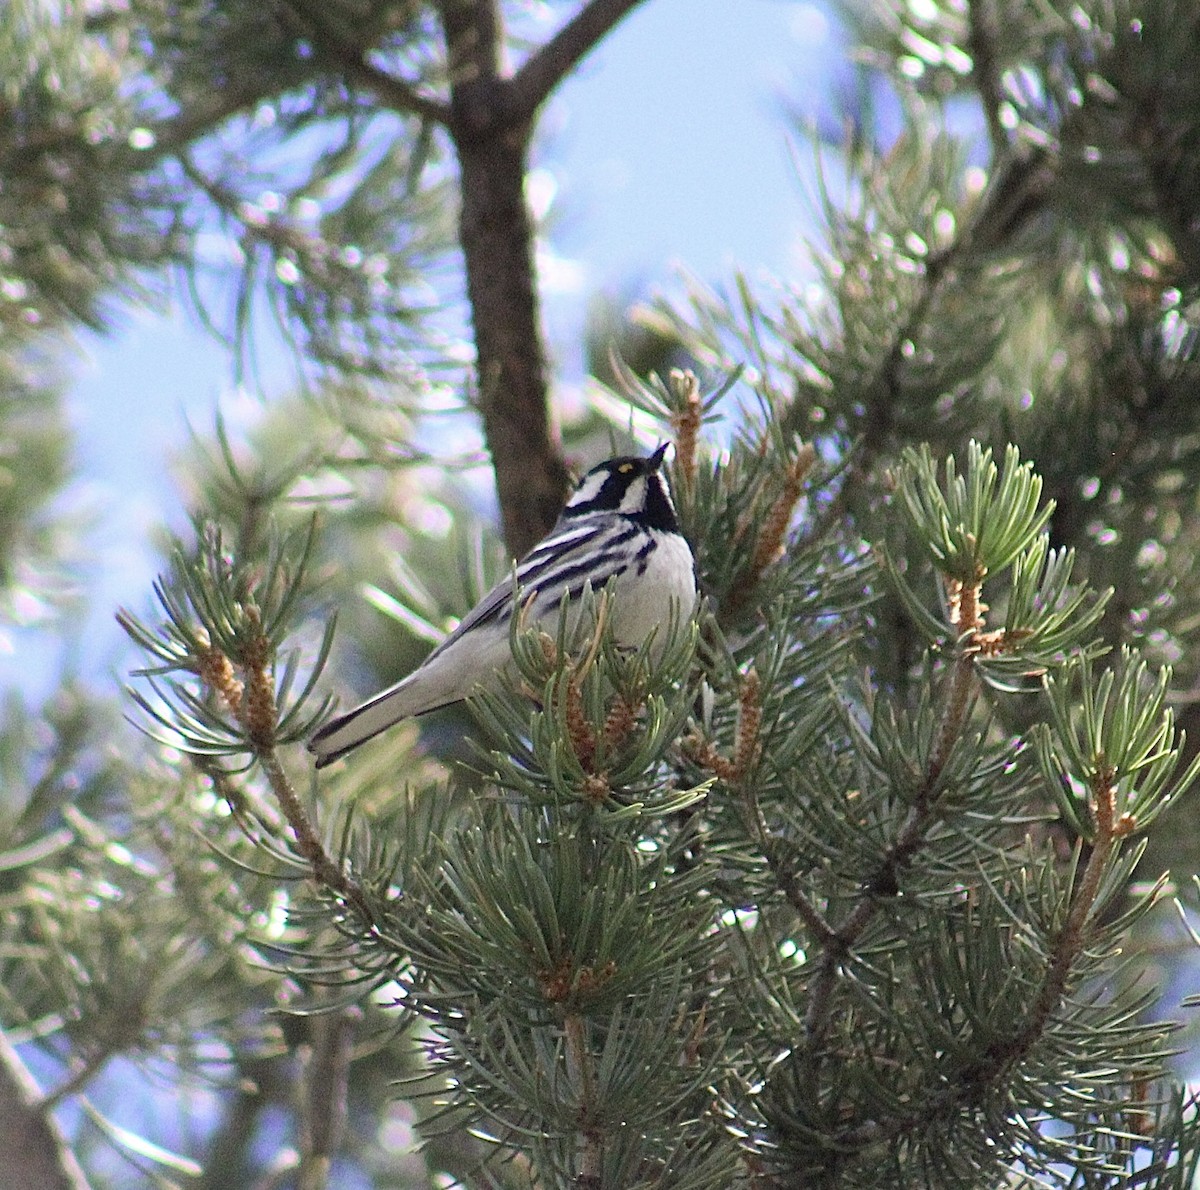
589 489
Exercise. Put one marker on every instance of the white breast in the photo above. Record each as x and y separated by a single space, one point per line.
644 601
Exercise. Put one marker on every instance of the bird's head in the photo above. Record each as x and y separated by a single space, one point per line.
629 486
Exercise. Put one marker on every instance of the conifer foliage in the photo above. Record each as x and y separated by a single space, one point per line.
859 877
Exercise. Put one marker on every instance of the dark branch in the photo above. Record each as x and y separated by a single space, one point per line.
496 235
497 242
324 1096
1006 1052
478 95
35 1153
393 92
204 116
326 871
783 868
982 44
547 67
473 38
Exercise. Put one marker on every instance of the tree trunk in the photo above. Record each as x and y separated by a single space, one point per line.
497 241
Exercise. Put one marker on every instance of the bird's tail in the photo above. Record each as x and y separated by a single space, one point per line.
365 722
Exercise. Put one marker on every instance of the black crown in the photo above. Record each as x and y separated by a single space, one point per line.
656 511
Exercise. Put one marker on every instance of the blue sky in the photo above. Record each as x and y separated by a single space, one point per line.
667 149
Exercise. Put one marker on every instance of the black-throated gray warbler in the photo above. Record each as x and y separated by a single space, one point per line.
619 525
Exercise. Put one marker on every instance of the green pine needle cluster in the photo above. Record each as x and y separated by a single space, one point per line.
733 911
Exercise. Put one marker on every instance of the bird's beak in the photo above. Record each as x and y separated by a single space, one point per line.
656 459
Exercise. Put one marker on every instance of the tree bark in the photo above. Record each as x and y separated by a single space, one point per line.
491 138
497 242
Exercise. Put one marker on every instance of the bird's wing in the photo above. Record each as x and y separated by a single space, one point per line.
566 546
572 556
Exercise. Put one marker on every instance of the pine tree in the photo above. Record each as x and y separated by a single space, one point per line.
859 883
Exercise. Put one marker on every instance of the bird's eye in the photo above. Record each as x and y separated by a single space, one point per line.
625 468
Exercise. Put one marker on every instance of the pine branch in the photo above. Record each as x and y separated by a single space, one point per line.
1153 140
1074 936
1020 185
884 881
394 92
226 617
580 1063
737 774
325 870
770 536
1072 940
204 117
1019 189
532 85
686 421
886 390
260 1082
477 93
986 72
36 1155
782 870
884 393
83 1075
200 118
323 1105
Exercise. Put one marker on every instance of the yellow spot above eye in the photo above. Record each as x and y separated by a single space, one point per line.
625 468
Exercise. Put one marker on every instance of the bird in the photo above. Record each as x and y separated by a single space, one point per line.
618 525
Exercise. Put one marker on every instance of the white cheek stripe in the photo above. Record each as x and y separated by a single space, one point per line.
634 499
